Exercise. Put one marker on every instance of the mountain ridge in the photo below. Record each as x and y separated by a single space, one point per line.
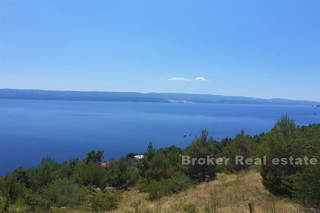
37 94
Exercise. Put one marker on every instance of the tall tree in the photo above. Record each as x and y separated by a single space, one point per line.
94 156
201 148
242 145
280 143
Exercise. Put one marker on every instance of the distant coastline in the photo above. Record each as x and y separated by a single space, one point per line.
22 94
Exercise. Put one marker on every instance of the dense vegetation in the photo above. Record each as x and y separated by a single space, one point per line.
85 184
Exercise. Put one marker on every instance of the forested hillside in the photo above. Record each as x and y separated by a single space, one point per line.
90 185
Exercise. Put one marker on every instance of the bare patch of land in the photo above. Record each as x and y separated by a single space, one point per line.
226 194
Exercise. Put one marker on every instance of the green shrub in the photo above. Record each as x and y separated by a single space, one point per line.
280 143
47 172
2 204
101 202
307 186
299 181
90 175
122 174
159 167
65 193
241 145
202 147
94 157
36 201
11 190
163 187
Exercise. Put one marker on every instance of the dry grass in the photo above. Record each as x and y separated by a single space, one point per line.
227 194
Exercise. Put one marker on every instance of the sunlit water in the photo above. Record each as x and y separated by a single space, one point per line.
31 130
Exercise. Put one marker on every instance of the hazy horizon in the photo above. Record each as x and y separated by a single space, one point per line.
151 92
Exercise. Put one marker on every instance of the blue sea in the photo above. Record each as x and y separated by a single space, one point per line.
31 130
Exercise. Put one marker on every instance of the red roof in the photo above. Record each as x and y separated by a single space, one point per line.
105 164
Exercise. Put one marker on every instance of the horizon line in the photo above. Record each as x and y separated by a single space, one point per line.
152 92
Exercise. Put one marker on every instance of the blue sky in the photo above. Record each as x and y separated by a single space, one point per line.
249 48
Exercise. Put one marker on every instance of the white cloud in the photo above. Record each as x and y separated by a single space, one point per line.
200 78
179 79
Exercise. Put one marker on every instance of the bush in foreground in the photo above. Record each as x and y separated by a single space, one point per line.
102 202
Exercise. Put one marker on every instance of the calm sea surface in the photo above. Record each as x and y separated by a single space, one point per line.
31 130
